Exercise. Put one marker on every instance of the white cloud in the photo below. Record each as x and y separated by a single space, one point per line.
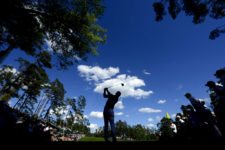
161 101
150 119
86 116
93 127
130 88
149 110
119 105
104 77
151 125
96 114
127 116
146 72
119 113
97 73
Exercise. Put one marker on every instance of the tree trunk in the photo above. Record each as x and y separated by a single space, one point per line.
41 106
46 115
38 107
19 101
24 102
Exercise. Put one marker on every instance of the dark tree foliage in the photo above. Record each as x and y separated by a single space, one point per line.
137 132
68 27
122 129
199 10
30 81
165 129
9 83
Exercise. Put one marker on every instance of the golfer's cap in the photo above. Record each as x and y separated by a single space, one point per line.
187 94
210 83
220 72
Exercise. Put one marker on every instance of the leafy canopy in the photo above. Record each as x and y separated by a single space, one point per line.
66 28
199 10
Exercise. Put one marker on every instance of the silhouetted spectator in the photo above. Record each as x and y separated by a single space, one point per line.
181 128
208 126
220 74
217 96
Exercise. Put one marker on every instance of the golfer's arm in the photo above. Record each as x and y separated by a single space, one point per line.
108 93
105 95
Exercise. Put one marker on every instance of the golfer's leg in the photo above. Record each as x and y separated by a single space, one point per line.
112 125
106 127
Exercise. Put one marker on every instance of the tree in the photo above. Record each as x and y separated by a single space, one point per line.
68 27
122 129
55 95
139 132
54 33
34 77
198 9
9 88
166 132
99 132
68 113
24 84
75 117
81 128
29 84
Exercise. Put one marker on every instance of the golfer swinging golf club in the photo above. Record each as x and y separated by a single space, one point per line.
109 113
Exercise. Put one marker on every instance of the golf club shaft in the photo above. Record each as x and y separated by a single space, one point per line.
115 85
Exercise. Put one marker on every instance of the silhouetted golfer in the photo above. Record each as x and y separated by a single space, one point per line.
109 113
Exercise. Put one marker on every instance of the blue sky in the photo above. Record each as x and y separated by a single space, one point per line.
169 57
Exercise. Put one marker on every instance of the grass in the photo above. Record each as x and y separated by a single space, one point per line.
92 139
101 139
